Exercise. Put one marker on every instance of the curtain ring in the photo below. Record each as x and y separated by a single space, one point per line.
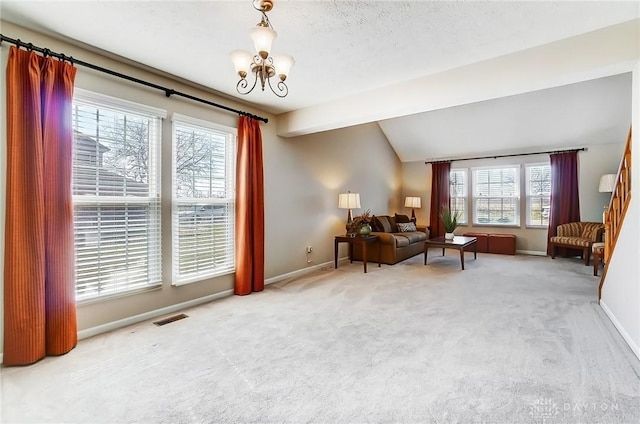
46 52
19 43
30 47
70 58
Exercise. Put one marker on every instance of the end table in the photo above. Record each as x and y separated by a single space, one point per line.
362 240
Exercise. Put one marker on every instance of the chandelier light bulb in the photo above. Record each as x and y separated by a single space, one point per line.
242 60
262 39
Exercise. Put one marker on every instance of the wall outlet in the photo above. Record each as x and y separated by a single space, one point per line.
309 249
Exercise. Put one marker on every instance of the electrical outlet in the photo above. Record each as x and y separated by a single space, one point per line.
309 249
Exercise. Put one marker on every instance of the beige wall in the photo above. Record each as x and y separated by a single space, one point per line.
594 162
303 177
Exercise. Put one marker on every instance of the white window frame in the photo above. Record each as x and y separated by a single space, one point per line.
462 196
203 267
94 279
541 196
514 199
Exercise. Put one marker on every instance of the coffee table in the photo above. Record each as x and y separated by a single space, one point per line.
458 242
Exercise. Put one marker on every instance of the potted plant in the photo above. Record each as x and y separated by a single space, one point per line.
449 220
361 224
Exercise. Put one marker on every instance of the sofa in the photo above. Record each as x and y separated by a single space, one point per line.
395 245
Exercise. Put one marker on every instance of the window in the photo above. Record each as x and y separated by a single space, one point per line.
458 193
538 194
203 199
116 195
496 196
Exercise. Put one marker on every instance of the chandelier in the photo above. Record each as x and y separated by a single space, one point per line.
263 66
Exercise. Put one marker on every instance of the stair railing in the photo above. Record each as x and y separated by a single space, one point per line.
617 209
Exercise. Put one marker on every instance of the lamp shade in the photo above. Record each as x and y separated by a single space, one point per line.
262 38
349 200
607 183
242 60
412 202
283 64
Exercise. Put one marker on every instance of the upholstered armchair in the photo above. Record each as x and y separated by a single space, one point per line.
577 235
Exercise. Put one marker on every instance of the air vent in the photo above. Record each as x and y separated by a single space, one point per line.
170 319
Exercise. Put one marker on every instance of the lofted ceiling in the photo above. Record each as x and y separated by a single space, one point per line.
344 49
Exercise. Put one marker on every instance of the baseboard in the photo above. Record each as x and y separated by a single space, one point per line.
299 272
531 252
627 338
114 325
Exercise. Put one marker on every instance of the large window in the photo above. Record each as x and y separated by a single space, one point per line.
538 194
116 195
496 196
458 193
203 199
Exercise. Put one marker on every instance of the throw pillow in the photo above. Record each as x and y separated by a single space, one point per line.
406 227
392 221
383 222
375 224
402 218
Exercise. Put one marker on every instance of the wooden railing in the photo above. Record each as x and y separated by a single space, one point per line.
617 209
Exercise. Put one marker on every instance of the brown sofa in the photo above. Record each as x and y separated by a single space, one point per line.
395 245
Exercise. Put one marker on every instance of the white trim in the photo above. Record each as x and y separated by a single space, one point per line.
298 273
531 252
191 121
627 338
100 99
114 325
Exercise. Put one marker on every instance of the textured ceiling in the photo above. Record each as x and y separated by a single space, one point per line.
341 47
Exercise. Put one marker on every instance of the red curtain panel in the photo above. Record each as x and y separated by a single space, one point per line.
39 291
439 196
249 209
565 201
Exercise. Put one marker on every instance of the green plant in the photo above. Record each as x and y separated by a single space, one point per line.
449 219
360 220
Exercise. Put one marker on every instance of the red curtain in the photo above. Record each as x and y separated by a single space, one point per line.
565 202
439 196
249 209
39 288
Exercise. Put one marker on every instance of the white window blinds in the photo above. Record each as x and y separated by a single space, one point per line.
496 195
203 216
116 195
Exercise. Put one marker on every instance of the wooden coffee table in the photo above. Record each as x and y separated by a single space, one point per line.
458 242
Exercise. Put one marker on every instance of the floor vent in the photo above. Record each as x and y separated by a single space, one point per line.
170 319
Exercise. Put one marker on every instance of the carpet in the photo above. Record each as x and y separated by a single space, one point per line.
511 339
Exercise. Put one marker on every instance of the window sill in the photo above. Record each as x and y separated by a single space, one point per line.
114 296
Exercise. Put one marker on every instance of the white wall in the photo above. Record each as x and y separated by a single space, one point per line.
595 161
621 290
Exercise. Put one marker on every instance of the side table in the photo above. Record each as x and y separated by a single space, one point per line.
362 240
598 255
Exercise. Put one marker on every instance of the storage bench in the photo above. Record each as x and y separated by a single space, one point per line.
504 244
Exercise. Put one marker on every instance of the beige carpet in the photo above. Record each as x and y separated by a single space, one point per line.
509 340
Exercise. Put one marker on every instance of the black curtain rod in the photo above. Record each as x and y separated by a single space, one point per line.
508 156
167 91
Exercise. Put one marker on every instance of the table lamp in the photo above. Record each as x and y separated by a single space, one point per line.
413 203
